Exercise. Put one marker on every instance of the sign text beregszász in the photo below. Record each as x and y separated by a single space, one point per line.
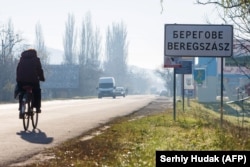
198 40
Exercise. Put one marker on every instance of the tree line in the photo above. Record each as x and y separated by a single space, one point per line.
82 47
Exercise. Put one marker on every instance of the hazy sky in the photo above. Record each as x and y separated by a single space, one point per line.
142 18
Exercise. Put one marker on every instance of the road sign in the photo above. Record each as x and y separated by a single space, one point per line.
200 76
198 40
186 68
170 62
188 81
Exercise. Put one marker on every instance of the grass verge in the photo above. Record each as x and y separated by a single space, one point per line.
133 142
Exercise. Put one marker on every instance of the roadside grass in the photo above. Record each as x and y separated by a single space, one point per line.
131 141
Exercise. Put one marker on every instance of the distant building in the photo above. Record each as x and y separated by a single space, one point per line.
236 83
208 91
61 80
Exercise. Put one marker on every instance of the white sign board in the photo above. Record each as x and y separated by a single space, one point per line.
198 40
188 81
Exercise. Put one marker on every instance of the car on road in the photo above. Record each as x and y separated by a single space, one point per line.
106 87
120 91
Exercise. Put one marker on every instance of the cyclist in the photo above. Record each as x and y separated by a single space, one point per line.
29 72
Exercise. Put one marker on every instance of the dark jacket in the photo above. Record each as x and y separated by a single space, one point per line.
29 68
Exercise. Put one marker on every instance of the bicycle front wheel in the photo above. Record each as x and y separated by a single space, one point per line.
34 119
26 116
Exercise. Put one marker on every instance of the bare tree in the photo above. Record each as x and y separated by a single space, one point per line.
90 42
116 52
8 62
228 4
69 40
89 56
82 48
96 48
167 76
8 40
40 45
236 13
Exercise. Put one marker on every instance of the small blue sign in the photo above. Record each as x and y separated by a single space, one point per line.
186 68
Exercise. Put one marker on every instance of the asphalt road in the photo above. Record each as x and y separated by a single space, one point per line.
59 121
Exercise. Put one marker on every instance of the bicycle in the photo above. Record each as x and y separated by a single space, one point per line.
27 109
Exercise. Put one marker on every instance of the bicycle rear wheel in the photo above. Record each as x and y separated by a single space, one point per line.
34 119
26 116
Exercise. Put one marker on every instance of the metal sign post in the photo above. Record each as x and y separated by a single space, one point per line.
221 95
174 98
183 93
186 68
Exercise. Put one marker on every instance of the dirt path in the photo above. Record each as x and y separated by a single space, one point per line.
156 106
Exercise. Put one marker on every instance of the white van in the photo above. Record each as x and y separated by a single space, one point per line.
106 87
